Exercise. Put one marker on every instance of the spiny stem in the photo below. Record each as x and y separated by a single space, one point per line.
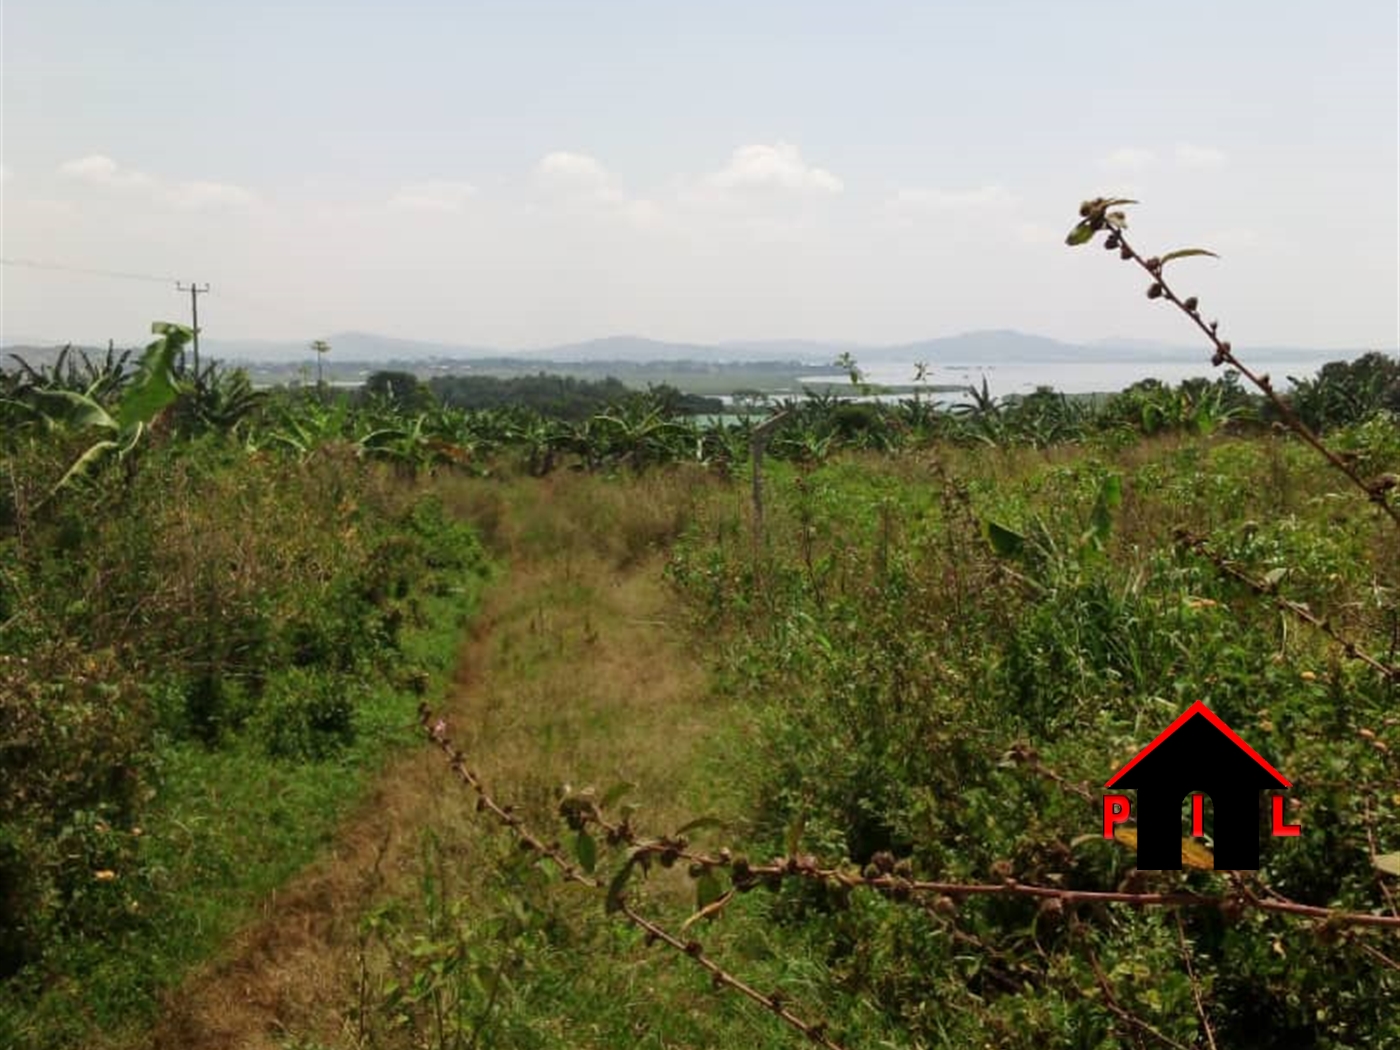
1225 354
1201 546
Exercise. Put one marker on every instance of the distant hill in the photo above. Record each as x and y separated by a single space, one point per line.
995 346
986 347
347 346
792 349
627 348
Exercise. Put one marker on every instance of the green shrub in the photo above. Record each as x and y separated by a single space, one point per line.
305 714
75 753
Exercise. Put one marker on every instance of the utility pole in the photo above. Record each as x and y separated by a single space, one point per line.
322 348
195 290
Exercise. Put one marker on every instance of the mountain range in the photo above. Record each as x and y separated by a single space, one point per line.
996 346
980 347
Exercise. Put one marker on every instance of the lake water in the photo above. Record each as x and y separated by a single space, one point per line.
1073 377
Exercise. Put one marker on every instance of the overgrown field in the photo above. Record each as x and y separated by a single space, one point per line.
203 658
945 655
896 690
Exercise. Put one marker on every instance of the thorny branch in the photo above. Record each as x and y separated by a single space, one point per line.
816 1031
884 875
1202 546
1096 216
1118 1010
1195 983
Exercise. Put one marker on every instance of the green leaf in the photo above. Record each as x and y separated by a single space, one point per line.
698 824
614 794
182 332
1004 541
86 461
154 385
1184 253
383 438
1082 233
1109 497
72 409
617 888
587 851
20 406
710 910
707 891
1389 863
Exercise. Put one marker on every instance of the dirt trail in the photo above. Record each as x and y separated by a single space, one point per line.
572 671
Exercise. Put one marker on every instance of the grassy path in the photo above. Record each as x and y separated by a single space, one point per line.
574 672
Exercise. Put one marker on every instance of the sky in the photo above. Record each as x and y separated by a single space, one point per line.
525 173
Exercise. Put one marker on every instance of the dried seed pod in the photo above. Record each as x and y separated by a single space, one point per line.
1155 291
1191 303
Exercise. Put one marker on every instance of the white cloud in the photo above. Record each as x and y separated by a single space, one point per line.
212 195
577 174
779 166
1193 156
647 215
197 194
584 184
982 199
101 170
434 195
1130 158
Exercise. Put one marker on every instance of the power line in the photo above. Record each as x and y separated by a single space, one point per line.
32 264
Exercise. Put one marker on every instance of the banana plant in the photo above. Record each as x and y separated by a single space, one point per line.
1045 563
144 397
75 370
304 425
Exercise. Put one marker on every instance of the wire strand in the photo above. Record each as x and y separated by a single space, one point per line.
33 264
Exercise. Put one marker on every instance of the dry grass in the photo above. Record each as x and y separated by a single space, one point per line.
576 672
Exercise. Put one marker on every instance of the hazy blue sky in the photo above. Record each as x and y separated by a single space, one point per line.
520 173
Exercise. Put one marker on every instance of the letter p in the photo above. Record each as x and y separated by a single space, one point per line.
1115 811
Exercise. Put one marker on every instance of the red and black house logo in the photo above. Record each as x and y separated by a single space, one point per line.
1197 755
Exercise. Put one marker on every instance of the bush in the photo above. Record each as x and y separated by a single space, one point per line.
305 714
189 591
911 681
75 752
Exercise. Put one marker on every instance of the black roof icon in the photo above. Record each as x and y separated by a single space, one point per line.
1198 752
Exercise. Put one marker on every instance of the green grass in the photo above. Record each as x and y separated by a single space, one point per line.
226 827
872 679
